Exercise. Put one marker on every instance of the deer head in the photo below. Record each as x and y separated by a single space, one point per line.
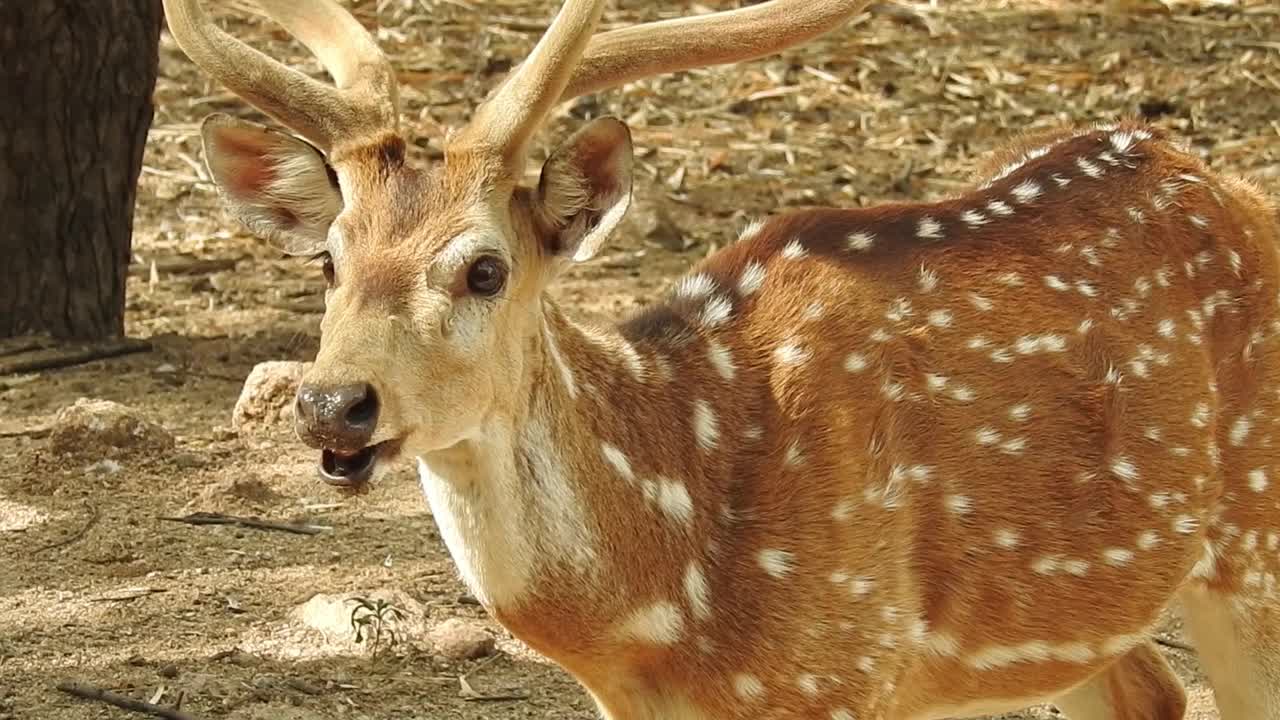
435 275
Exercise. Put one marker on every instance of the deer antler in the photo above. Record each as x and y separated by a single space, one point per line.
628 54
364 101
506 121
569 62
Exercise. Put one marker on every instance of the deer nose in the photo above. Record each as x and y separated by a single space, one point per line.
338 418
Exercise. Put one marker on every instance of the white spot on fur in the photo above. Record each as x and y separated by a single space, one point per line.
973 218
721 359
1123 468
697 591
790 353
1117 556
940 318
673 498
928 280
705 425
715 311
979 302
618 460
928 228
751 230
999 207
775 562
751 279
899 310
1026 191
1006 538
1258 481
959 504
855 362
1088 167
861 241
748 687
1240 430
794 250
1056 283
661 623
694 287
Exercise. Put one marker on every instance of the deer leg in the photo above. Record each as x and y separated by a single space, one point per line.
1137 686
1238 642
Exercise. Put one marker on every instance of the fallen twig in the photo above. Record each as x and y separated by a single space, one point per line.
34 431
73 537
126 594
208 518
59 356
466 692
1176 645
89 692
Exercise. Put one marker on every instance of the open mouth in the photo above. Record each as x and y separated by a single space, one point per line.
354 469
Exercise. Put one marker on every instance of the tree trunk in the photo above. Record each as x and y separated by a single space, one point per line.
76 78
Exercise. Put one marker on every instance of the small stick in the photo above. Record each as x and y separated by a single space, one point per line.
208 518
89 692
469 694
51 358
73 537
35 432
1175 645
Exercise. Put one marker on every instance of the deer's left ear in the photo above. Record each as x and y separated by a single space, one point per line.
585 188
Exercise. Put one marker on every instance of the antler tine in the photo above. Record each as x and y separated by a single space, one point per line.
628 54
365 101
507 121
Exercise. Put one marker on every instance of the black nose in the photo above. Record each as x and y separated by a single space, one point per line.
338 418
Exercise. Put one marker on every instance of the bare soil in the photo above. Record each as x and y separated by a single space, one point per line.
902 104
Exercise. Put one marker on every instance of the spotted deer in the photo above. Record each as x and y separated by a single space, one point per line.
910 461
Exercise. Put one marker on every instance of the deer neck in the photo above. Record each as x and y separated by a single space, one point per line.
543 497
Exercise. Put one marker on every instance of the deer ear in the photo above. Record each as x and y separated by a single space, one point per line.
586 187
280 187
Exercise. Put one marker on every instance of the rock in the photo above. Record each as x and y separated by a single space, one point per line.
458 639
266 400
90 427
659 229
189 460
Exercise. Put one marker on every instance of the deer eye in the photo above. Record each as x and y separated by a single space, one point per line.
486 276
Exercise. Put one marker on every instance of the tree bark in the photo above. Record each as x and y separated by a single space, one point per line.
76 81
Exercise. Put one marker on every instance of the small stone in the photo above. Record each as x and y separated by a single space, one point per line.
240 658
661 230
91 427
189 460
105 467
458 639
136 660
168 670
266 400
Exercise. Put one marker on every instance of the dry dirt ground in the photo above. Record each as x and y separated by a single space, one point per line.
900 104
